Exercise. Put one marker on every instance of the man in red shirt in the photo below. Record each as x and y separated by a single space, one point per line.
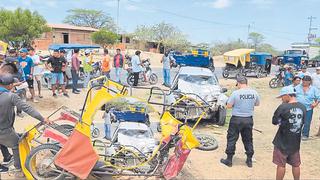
75 66
118 64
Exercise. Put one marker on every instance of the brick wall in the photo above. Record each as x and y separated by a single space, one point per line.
56 37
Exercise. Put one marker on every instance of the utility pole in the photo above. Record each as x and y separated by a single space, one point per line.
248 35
311 18
118 17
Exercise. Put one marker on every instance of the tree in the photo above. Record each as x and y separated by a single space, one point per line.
90 18
162 32
256 39
268 48
142 34
177 41
222 47
104 37
20 27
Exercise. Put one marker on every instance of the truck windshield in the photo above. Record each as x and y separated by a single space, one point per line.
294 52
199 79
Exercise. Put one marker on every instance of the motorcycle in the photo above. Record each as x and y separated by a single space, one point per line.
278 81
151 77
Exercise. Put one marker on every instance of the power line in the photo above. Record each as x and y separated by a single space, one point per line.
217 22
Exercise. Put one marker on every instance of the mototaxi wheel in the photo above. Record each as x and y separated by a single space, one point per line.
40 163
207 142
225 73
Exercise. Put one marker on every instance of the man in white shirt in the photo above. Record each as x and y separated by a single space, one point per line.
316 83
136 67
37 69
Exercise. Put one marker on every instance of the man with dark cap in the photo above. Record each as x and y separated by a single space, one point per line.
309 96
242 102
8 100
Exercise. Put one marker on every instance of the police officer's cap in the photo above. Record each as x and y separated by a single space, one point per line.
242 80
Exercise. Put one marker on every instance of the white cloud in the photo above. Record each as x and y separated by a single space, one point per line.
262 2
130 7
220 4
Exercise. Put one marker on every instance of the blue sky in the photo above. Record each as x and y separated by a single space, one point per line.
280 21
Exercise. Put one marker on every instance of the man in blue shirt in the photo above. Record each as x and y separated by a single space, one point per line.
27 65
136 67
242 102
309 96
288 76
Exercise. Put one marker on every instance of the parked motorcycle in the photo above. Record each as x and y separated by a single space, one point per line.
152 78
278 81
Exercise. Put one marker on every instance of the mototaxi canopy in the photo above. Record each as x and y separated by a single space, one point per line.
237 55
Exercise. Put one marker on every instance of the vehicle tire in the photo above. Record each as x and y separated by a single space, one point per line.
42 171
221 116
225 73
259 74
153 79
95 132
130 79
273 83
207 142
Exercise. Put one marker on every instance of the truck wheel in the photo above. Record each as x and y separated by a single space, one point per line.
221 116
225 73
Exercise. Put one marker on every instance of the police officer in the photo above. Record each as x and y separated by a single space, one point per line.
242 102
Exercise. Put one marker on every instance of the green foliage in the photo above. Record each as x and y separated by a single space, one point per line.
143 33
162 33
20 27
104 37
256 39
90 18
268 48
221 47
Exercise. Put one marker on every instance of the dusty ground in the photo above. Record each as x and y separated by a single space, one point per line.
206 165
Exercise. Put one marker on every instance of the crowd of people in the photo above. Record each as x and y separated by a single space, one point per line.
20 70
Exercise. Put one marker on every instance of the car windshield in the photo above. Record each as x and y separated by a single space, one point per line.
199 79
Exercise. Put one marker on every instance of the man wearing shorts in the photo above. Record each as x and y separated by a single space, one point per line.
37 70
290 116
55 64
27 65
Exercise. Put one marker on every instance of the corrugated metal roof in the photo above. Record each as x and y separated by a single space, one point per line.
68 26
238 52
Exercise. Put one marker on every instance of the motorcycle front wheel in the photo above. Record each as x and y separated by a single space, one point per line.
153 79
130 79
274 83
